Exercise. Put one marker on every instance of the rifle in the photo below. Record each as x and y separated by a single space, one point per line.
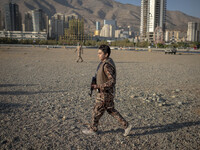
93 82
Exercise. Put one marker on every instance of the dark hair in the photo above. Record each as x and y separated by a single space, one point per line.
105 49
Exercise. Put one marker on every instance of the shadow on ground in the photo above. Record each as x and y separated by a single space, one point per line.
11 85
160 129
8 107
28 92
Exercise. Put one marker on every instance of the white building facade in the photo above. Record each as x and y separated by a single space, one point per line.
108 31
193 33
153 15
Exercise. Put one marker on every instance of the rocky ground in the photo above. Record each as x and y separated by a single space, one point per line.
44 100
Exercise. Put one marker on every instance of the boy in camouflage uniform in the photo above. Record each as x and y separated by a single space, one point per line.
105 86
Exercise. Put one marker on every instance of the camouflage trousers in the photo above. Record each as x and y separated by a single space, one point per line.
104 102
79 58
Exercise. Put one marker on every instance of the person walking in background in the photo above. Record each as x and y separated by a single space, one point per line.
79 50
105 87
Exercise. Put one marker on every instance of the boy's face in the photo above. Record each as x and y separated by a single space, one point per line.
101 55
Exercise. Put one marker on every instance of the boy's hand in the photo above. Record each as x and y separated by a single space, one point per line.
94 86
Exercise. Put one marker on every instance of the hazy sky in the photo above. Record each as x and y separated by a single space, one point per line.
189 7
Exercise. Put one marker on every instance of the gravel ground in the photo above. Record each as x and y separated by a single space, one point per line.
44 102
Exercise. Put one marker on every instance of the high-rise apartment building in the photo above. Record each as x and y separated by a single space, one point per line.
28 21
193 33
75 31
98 28
98 25
12 17
68 18
1 22
108 30
143 21
110 22
57 25
40 20
36 20
153 15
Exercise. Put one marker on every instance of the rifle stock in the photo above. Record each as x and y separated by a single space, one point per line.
93 82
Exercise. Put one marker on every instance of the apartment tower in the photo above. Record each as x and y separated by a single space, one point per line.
28 21
98 28
12 17
1 23
40 20
193 33
58 25
153 15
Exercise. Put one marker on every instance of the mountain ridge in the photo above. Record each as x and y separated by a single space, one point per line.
98 10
